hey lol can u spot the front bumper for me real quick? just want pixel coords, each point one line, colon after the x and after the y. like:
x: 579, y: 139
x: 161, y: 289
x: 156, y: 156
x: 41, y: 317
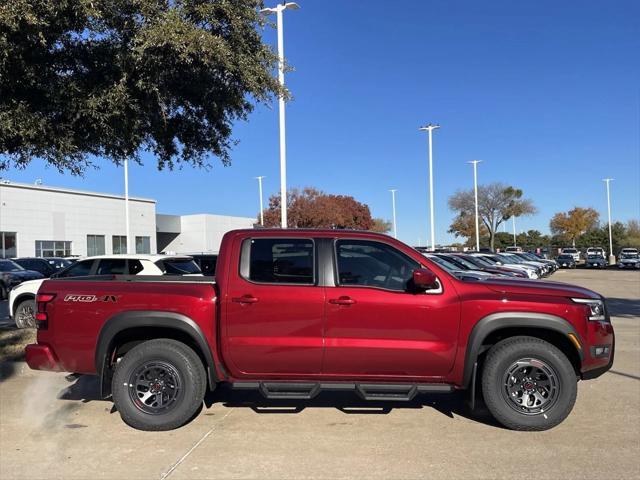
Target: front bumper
x: 41, y: 357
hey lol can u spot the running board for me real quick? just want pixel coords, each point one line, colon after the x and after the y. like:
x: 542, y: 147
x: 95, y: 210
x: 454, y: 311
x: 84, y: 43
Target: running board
x: 398, y: 392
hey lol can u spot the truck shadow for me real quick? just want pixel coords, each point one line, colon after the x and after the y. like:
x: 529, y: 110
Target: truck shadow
x: 349, y: 403
x: 623, y: 307
x: 86, y: 388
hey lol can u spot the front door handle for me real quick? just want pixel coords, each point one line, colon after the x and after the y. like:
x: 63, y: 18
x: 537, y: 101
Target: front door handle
x: 245, y: 299
x: 342, y: 301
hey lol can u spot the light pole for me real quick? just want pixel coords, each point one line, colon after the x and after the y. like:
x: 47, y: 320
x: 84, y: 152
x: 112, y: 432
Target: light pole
x: 393, y: 204
x: 430, y: 128
x: 612, y: 257
x: 475, y: 191
x: 126, y: 202
x: 278, y: 9
x: 260, y: 193
x: 515, y: 243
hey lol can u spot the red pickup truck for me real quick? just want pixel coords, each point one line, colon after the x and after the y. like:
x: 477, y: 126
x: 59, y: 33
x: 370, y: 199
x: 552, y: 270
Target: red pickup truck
x: 295, y: 312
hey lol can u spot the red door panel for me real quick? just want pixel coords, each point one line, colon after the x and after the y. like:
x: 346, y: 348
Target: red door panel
x: 385, y: 333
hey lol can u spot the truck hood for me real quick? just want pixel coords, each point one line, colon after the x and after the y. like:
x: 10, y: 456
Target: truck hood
x: 538, y: 287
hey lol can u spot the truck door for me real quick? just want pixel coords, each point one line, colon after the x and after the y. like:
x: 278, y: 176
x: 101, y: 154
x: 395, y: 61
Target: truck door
x: 274, y: 308
x: 376, y: 326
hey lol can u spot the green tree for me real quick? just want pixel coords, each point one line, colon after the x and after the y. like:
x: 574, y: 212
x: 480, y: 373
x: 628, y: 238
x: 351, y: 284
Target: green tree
x: 112, y: 78
x: 496, y: 203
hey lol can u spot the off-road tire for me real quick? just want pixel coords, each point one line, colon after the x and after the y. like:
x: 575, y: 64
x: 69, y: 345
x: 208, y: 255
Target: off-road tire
x: 184, y: 370
x: 501, y: 360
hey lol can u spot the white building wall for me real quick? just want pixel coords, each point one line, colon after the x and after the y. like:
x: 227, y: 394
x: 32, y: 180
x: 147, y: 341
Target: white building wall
x: 38, y: 212
x: 204, y: 232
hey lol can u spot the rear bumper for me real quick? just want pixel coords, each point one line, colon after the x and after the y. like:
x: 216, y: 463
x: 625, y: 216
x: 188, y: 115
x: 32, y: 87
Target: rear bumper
x: 41, y: 357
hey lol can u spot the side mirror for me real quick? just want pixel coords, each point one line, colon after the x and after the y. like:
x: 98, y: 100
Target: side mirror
x: 424, y: 279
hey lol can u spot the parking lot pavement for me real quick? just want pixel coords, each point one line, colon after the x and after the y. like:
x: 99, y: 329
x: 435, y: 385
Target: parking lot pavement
x: 333, y: 436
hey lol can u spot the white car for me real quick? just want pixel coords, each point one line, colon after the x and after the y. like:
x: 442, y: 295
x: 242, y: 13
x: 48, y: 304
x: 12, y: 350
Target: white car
x: 596, y: 251
x: 574, y: 252
x: 22, y: 298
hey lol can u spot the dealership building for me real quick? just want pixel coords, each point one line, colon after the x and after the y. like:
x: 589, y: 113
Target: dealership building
x: 43, y: 221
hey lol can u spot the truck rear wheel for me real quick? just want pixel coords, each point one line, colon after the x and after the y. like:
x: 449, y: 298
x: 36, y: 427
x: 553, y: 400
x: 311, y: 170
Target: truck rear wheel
x: 159, y: 385
x: 528, y: 384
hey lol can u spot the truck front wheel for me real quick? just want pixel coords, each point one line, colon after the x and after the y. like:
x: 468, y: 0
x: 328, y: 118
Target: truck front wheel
x: 159, y: 385
x: 528, y: 384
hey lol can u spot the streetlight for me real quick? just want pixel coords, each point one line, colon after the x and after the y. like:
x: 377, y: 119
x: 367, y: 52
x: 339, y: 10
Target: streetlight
x: 515, y: 243
x: 126, y: 203
x: 260, y: 193
x: 393, y: 204
x: 278, y: 9
x: 430, y: 128
x: 612, y: 257
x: 475, y: 191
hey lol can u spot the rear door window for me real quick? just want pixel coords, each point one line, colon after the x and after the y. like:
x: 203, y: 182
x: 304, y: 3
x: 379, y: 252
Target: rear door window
x: 179, y: 266
x: 281, y: 260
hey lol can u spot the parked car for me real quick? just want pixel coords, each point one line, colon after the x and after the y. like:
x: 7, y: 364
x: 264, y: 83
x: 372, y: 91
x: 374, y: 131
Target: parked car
x: 596, y: 251
x: 206, y: 262
x: 488, y: 267
x: 550, y: 265
x: 595, y: 261
x: 513, y: 249
x: 629, y: 258
x: 574, y: 252
x: 495, y: 258
x: 456, y: 270
x: 22, y: 299
x: 46, y: 266
x: 12, y: 275
x: 566, y: 260
x: 295, y: 312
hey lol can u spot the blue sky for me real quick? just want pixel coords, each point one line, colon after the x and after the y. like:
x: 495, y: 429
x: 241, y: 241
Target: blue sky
x: 546, y: 93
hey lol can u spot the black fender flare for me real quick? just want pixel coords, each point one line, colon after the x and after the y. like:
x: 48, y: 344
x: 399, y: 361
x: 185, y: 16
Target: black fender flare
x: 151, y: 319
x: 498, y: 321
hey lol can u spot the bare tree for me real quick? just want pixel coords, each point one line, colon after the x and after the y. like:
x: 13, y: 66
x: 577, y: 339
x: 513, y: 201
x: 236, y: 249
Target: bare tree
x: 496, y: 203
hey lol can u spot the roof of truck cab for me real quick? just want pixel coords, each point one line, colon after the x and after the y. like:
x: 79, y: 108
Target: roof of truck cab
x: 322, y: 232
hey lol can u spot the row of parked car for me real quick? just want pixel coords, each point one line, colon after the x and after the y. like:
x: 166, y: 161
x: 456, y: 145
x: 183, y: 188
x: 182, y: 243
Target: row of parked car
x: 479, y: 265
x: 21, y: 278
x: 595, y: 257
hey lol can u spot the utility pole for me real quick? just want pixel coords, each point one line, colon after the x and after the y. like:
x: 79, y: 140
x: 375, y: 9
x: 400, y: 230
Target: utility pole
x: 612, y: 257
x: 278, y: 9
x: 260, y: 194
x: 430, y: 128
x: 475, y: 191
x: 393, y: 204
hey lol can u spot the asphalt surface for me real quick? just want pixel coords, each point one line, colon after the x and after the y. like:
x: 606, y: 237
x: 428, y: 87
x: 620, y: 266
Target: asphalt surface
x: 51, y: 428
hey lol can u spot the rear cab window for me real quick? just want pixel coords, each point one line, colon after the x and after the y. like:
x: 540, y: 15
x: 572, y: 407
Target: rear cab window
x: 278, y: 261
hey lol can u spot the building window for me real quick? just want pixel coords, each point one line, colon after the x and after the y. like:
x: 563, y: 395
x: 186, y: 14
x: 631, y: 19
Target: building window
x: 53, y: 248
x: 143, y: 245
x: 8, y: 245
x: 119, y: 243
x: 95, y: 245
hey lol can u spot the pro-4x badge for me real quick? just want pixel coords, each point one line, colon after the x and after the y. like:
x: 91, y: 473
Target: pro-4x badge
x: 90, y: 298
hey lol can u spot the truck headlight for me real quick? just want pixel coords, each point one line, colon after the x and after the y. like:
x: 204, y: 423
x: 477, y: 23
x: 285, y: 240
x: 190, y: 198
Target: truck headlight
x: 596, y: 308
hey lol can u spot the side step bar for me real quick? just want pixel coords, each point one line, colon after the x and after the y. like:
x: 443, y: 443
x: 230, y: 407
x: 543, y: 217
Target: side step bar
x: 399, y: 392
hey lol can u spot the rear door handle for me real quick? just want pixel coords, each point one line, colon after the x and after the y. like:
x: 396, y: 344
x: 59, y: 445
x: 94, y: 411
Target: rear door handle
x: 342, y: 301
x: 245, y: 299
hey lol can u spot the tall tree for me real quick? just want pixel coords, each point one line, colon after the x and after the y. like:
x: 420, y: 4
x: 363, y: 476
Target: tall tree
x: 496, y: 203
x: 312, y: 208
x: 111, y: 78
x: 577, y: 221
